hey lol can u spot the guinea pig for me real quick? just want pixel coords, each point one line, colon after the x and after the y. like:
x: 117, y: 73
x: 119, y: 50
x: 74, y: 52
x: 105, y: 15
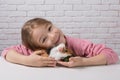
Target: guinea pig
x: 60, y: 52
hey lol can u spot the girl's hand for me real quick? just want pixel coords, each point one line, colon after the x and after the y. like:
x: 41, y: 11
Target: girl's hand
x: 39, y: 61
x: 73, y: 62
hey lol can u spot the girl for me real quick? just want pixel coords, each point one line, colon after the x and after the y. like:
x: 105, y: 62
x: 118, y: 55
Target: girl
x: 39, y: 34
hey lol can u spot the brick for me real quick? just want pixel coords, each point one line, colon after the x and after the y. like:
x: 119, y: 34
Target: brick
x: 103, y: 36
x: 117, y: 36
x: 25, y: 8
x: 12, y: 19
x: 95, y: 19
x: 81, y: 30
x: 91, y: 13
x: 108, y: 24
x: 109, y: 13
x: 86, y: 35
x: 14, y: 37
x: 16, y: 13
x: 111, y: 45
x: 7, y: 7
x: 113, y: 41
x: 91, y: 1
x: 72, y: 1
x: 114, y: 7
x: 73, y: 13
x: 19, y: 19
x: 16, y: 2
x: 10, y: 31
x: 68, y: 31
x: 54, y: 13
x: 36, y: 13
x: 117, y: 51
x: 71, y: 25
x: 117, y: 46
x: 114, y: 30
x: 15, y: 25
x: 84, y: 25
x: 4, y: 19
x: 44, y: 7
x: 3, y: 25
x: 61, y: 19
x: 4, y: 13
x: 3, y: 37
x: 81, y: 7
x: 110, y: 1
x: 118, y: 23
x: 119, y: 13
x: 34, y: 2
x: 98, y: 41
x: 8, y: 42
x: 53, y: 1
x: 75, y: 35
x: 2, y: 1
x: 100, y: 7
x: 63, y: 7
x: 100, y: 30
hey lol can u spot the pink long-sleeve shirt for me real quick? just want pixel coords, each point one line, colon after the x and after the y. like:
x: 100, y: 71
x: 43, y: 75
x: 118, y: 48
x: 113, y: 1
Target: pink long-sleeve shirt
x: 80, y: 47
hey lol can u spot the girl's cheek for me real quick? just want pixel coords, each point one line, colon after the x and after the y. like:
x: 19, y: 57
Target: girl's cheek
x: 49, y: 44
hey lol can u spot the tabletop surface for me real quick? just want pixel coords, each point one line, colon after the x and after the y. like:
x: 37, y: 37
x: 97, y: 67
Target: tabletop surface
x: 10, y: 71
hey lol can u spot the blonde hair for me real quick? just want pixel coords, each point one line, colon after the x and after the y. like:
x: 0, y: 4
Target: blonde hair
x: 26, y: 32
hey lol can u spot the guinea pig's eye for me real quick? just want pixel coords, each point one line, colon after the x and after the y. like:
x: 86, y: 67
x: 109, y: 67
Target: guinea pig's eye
x: 65, y: 50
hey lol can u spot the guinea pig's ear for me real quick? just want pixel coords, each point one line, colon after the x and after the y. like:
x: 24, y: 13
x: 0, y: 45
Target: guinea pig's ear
x: 69, y: 51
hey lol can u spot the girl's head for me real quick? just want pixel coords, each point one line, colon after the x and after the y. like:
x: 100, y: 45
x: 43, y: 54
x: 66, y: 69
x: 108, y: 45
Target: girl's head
x: 40, y: 33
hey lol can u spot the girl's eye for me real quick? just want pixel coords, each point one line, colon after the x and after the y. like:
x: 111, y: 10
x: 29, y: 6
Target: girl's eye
x: 50, y: 28
x: 44, y: 39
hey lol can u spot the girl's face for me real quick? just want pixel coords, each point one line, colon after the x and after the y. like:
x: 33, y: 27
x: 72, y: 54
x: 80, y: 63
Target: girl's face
x: 48, y: 36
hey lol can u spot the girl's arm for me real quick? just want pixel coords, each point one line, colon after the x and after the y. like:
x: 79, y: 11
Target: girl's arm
x: 15, y: 57
x: 82, y: 61
x: 95, y: 60
x: 34, y: 59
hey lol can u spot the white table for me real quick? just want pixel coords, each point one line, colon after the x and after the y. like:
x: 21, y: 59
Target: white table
x: 10, y: 71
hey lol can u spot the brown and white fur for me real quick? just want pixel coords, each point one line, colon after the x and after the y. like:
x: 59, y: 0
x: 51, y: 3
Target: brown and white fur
x: 59, y: 52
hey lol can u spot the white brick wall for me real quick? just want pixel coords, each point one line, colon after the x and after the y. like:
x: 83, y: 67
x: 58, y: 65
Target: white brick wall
x: 95, y: 20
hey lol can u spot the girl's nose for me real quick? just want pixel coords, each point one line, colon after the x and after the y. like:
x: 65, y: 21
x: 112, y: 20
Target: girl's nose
x: 52, y: 36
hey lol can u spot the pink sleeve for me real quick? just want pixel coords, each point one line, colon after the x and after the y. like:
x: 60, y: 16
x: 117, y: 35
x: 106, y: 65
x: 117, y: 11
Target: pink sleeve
x: 85, y: 48
x: 91, y: 49
x: 19, y: 48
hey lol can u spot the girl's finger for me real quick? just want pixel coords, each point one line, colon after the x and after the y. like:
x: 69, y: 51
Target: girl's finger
x: 49, y: 64
x: 47, y: 59
x: 38, y: 52
x: 63, y: 63
x: 52, y: 64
